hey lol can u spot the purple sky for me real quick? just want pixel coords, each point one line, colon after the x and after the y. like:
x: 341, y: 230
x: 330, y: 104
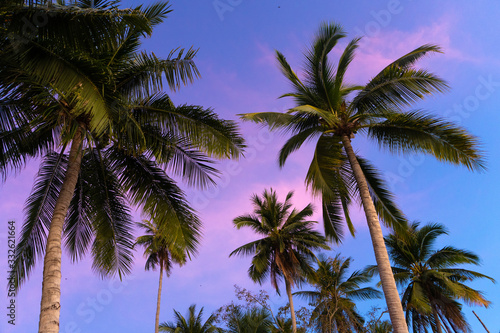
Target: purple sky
x: 239, y: 75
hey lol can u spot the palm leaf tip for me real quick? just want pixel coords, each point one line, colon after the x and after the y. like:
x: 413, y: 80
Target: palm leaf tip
x: 410, y: 58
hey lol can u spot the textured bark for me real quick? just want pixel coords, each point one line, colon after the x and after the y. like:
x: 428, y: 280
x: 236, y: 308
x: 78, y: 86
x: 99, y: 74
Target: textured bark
x: 384, y: 266
x: 50, y: 306
x: 292, y: 311
x: 157, y: 321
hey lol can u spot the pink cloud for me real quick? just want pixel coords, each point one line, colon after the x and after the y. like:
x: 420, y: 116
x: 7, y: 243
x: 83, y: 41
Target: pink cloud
x: 267, y: 55
x: 376, y: 52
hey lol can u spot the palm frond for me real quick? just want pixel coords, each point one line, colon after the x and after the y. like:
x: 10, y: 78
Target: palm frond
x: 110, y: 217
x: 412, y: 57
x: 288, y: 72
x: 397, y: 87
x: 383, y: 200
x: 419, y: 132
x: 206, y: 131
x: 295, y: 142
x: 146, y: 72
x: 344, y: 62
x: 365, y: 293
x: 178, y: 155
x: 323, y: 176
x: 20, y: 145
x: 286, y: 249
x: 39, y: 210
x: 274, y: 120
x: 247, y: 249
x: 78, y: 231
x: 432, y: 288
x: 448, y: 256
x: 333, y: 219
x: 319, y: 72
x: 159, y: 197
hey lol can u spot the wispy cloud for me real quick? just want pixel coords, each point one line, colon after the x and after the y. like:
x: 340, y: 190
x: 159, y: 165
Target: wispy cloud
x: 376, y: 52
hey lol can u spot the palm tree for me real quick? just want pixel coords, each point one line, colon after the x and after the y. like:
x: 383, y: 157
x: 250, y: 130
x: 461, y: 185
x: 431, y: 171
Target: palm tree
x: 34, y: 74
x: 380, y: 327
x: 253, y: 320
x: 287, y: 246
x: 335, y: 310
x: 332, y: 112
x: 285, y: 325
x: 121, y: 131
x: 162, y: 252
x: 433, y: 285
x: 192, y: 324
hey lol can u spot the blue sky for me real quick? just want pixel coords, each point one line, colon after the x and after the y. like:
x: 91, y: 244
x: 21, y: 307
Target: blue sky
x: 237, y: 39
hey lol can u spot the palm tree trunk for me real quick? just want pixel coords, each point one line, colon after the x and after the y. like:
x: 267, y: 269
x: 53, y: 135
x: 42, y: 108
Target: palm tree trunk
x: 290, y: 300
x: 157, y: 322
x: 384, y: 266
x: 50, y: 306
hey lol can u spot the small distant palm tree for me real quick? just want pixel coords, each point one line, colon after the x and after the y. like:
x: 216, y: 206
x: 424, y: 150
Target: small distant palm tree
x: 433, y: 285
x: 253, y: 320
x: 286, y: 249
x: 335, y: 310
x: 380, y: 327
x: 161, y: 251
x: 192, y: 324
x: 284, y: 325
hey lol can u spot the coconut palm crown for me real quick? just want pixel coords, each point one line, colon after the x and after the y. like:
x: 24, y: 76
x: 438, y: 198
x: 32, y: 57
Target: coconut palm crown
x: 335, y: 294
x: 192, y: 324
x: 432, y: 281
x: 161, y: 251
x: 146, y: 135
x: 328, y: 110
x: 252, y: 320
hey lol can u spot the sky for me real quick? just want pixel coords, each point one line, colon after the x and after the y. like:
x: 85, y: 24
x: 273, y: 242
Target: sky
x: 236, y: 41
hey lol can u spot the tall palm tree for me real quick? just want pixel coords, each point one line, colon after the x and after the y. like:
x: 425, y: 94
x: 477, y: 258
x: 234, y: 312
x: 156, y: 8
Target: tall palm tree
x: 332, y: 112
x: 336, y: 291
x: 120, y: 136
x: 162, y: 252
x: 192, y: 324
x: 433, y: 284
x: 286, y: 249
x: 34, y: 74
